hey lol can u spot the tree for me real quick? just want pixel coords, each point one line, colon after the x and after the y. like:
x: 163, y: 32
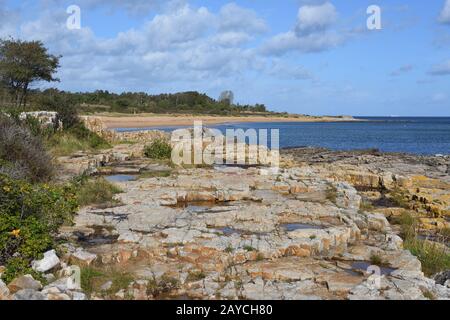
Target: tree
x: 22, y: 63
x: 227, y: 97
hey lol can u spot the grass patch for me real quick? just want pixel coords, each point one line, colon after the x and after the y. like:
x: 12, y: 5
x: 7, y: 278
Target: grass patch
x: 366, y: 206
x: 195, y: 276
x: 88, y: 276
x: 96, y: 191
x: 331, y: 194
x: 408, y: 223
x: 429, y: 295
x: 433, y: 256
x: 75, y: 139
x: 164, y: 285
x: 158, y: 149
x: 64, y: 144
x: 399, y: 198
x: 92, y: 279
x: 377, y: 260
x: 249, y: 248
x: 155, y: 174
x: 229, y: 249
x: 444, y: 233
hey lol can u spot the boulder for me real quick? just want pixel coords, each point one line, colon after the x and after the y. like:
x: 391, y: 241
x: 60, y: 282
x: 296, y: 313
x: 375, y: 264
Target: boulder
x: 129, y: 237
x: 58, y: 296
x: 78, y: 296
x: 24, y: 282
x: 49, y: 262
x: 377, y: 222
x: 83, y: 258
x: 2, y: 270
x: 442, y: 278
x: 4, y: 291
x: 29, y: 294
x: 106, y: 286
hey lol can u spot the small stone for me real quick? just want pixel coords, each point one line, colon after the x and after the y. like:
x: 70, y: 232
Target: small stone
x: 58, y: 296
x: 29, y: 294
x: 49, y: 277
x: 120, y: 294
x: 78, y: 296
x: 51, y: 290
x: 2, y: 270
x: 24, y: 282
x: 66, y: 283
x: 83, y: 258
x: 4, y: 291
x: 49, y: 262
x: 443, y: 277
x: 106, y: 286
x: 129, y: 237
x: 377, y: 222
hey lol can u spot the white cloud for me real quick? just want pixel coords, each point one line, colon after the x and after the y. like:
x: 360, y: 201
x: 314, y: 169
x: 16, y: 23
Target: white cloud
x: 444, y: 17
x: 182, y: 44
x: 315, y: 18
x: 442, y: 69
x: 312, y: 32
x: 315, y: 42
x: 7, y: 20
x: 231, y: 39
x: 132, y: 7
x: 282, y: 70
x: 235, y: 18
x: 439, y: 97
x: 402, y: 70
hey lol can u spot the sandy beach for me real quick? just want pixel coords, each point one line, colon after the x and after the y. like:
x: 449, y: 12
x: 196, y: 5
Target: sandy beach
x: 153, y: 120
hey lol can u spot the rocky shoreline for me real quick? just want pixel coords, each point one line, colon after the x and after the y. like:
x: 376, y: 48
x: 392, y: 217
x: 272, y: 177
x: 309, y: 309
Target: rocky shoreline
x: 232, y: 233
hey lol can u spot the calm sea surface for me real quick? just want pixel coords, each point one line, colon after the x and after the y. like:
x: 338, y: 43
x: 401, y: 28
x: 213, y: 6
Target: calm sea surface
x: 390, y: 134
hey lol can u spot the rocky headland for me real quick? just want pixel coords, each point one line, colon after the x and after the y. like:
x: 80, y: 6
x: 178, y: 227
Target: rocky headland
x: 318, y: 229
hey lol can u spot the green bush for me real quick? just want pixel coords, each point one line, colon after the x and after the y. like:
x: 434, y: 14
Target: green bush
x: 22, y: 152
x: 20, y: 266
x: 23, y: 241
x: 29, y: 217
x: 95, y: 191
x: 52, y: 205
x: 158, y: 149
x: 77, y: 138
x: 84, y: 134
x: 67, y: 112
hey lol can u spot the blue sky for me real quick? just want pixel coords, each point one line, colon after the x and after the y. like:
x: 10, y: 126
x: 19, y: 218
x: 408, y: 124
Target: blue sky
x: 302, y: 56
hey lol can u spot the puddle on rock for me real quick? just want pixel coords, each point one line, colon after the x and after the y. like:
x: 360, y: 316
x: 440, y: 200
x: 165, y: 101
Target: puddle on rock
x: 120, y: 178
x: 228, y: 231
x: 204, y: 207
x: 362, y: 266
x: 100, y: 236
x: 300, y: 226
x: 434, y: 238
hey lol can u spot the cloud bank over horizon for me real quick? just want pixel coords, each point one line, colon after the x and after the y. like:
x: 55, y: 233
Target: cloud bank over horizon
x: 314, y: 57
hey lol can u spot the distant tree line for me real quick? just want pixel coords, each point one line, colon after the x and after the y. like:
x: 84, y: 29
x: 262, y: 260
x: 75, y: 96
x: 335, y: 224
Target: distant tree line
x: 136, y: 102
x: 24, y: 63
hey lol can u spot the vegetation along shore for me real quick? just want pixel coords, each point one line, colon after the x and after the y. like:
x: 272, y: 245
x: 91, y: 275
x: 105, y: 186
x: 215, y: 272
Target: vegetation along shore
x: 87, y: 213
